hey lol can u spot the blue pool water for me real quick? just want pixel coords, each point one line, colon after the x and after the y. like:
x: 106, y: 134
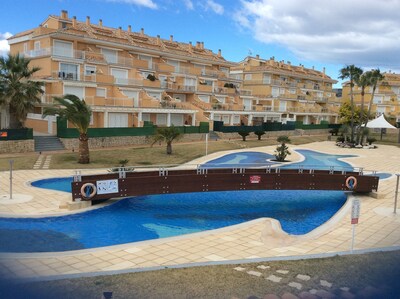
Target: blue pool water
x: 158, y: 216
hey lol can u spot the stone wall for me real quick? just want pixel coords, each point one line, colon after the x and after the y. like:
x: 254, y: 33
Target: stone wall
x: 105, y: 142
x: 17, y: 146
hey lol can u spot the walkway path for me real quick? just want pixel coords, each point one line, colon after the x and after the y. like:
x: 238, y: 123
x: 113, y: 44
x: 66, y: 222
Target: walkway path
x: 258, y: 239
x: 39, y: 162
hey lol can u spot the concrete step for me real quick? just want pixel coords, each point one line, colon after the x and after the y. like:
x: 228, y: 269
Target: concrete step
x: 47, y: 143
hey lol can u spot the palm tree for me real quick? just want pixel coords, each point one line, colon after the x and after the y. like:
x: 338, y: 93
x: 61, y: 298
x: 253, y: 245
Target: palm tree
x: 362, y: 81
x: 353, y: 73
x: 168, y: 135
x: 375, y: 77
x: 18, y: 94
x: 75, y: 110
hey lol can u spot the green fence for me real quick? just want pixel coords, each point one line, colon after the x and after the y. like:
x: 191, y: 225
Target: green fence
x: 147, y: 130
x: 274, y: 126
x: 16, y: 134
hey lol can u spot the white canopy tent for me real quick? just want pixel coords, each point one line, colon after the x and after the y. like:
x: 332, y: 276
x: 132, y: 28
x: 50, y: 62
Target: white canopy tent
x: 380, y: 123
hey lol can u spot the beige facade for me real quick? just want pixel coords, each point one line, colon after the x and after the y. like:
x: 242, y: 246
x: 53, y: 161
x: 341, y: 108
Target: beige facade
x: 296, y: 92
x: 129, y: 78
x: 386, y: 99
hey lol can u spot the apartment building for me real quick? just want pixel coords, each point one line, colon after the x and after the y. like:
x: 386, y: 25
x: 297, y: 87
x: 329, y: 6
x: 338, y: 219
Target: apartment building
x: 386, y: 99
x: 295, y: 92
x: 129, y: 77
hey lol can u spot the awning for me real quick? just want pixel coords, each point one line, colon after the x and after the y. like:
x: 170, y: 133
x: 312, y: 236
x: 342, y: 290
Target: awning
x: 380, y: 123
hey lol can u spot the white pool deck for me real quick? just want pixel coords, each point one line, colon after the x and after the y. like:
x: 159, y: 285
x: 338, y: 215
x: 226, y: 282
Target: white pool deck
x: 378, y: 227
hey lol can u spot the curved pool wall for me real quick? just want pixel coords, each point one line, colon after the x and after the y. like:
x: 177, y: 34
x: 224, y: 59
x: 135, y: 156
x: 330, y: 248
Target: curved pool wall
x: 158, y: 216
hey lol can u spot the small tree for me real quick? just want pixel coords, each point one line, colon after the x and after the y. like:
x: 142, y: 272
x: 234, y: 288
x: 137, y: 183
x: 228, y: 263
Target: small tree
x: 76, y: 111
x: 244, y: 134
x: 168, y: 135
x: 282, y: 151
x: 259, y: 133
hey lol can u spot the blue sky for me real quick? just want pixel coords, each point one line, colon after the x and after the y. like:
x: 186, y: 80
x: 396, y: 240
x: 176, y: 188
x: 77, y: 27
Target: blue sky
x: 320, y: 33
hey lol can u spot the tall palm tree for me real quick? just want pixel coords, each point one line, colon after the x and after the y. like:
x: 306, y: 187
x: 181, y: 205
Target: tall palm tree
x: 362, y: 81
x: 75, y: 110
x: 352, y: 73
x: 375, y: 77
x: 168, y: 135
x: 18, y: 94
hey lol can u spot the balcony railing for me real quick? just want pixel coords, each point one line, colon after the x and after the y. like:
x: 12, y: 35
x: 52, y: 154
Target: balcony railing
x: 56, y: 52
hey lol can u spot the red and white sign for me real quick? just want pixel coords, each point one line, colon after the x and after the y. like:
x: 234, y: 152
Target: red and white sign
x: 355, y: 211
x: 255, y: 179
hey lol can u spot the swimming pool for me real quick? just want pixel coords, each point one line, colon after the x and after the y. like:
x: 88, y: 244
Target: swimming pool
x: 158, y: 216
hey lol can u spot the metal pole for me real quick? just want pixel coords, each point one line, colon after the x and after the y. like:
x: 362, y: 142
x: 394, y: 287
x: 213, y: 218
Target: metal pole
x: 11, y: 169
x: 353, y: 237
x: 207, y: 144
x: 396, y: 193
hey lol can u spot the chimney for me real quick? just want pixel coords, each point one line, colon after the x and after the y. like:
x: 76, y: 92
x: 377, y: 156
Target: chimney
x: 64, y: 14
x: 171, y: 38
x: 202, y: 45
x: 158, y: 40
x: 323, y: 70
x: 142, y: 31
x: 101, y: 23
x: 74, y: 21
x: 198, y: 45
x: 88, y: 20
x: 219, y: 53
x: 190, y: 46
x: 119, y: 31
x: 272, y: 58
x: 129, y: 28
x: 313, y: 67
x: 258, y: 56
x: 289, y: 64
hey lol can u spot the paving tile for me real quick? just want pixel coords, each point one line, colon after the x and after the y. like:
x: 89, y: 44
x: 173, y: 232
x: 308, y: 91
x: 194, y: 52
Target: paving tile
x: 262, y: 267
x: 271, y: 296
x: 282, y: 271
x: 307, y: 295
x: 274, y: 278
x: 254, y: 273
x: 289, y: 296
x: 303, y: 277
x: 325, y: 283
x: 215, y: 258
x: 295, y: 285
x: 239, y: 269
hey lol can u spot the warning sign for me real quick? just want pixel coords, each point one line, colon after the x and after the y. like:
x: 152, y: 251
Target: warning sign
x: 255, y: 179
x: 355, y: 211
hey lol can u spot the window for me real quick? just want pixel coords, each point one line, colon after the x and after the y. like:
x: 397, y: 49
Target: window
x: 161, y: 119
x: 36, y: 45
x: 225, y: 70
x: 101, y: 92
x: 145, y: 117
x: 68, y: 71
x: 177, y: 119
x: 275, y: 92
x: 267, y: 79
x: 120, y: 75
x: 202, y: 67
x: 156, y: 95
x: 75, y: 90
x: 117, y: 120
x: 149, y: 60
x: 131, y: 93
x: 111, y: 56
x: 281, y: 91
x: 236, y: 119
x: 247, y: 77
x: 25, y: 47
x: 378, y: 99
x: 292, y: 90
x: 174, y: 63
x: 204, y: 98
x: 90, y: 70
x: 64, y: 49
x: 282, y: 106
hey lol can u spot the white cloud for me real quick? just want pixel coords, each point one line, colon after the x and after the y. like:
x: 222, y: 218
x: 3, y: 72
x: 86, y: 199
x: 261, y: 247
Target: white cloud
x: 145, y: 3
x: 214, y: 6
x: 363, y: 32
x: 189, y: 4
x: 4, y: 47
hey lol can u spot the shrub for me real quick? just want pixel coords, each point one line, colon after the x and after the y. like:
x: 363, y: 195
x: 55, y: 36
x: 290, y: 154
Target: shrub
x: 244, y: 135
x: 282, y: 151
x: 259, y: 133
x: 340, y: 139
x: 151, y: 77
x: 371, y: 140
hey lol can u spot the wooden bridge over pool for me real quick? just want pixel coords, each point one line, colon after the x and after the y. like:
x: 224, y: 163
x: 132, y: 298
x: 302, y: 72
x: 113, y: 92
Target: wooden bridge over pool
x: 164, y: 181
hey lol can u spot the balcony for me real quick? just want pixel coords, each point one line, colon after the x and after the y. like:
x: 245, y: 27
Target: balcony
x: 55, y: 52
x: 128, y: 81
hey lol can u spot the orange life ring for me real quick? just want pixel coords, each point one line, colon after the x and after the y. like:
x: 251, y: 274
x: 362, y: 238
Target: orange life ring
x: 351, y: 182
x: 84, y: 190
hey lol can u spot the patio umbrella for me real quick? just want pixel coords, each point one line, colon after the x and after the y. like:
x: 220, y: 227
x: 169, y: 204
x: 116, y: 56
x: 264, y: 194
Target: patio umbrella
x: 380, y: 123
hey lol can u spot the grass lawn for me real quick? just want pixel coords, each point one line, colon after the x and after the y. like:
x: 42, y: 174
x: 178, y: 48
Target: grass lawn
x: 358, y: 272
